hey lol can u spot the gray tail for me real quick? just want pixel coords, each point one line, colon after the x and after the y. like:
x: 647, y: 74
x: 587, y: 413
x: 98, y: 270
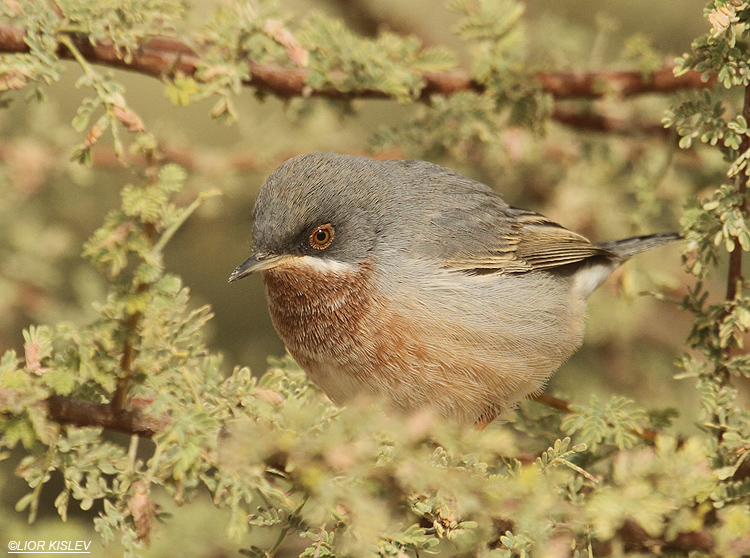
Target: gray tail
x: 628, y: 247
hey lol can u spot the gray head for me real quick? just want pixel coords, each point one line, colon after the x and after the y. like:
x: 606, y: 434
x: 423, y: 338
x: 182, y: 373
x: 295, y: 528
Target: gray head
x: 311, y: 191
x: 347, y: 209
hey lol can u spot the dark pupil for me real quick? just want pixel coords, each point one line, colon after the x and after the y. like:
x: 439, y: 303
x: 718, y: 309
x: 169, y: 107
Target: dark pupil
x: 321, y: 236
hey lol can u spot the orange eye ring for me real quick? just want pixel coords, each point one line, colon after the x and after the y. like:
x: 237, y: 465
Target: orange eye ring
x: 321, y: 237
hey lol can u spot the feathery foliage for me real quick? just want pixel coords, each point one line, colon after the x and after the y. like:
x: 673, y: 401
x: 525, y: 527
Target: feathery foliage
x: 295, y: 474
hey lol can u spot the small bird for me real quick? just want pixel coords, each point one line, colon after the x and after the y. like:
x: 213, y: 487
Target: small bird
x: 407, y: 281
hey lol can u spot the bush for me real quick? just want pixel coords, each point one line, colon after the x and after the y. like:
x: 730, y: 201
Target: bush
x: 124, y: 408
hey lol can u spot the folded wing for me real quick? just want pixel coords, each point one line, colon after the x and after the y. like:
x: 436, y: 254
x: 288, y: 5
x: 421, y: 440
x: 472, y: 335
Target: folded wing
x: 525, y: 241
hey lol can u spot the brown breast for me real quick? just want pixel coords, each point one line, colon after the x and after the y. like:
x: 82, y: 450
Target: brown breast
x: 319, y: 313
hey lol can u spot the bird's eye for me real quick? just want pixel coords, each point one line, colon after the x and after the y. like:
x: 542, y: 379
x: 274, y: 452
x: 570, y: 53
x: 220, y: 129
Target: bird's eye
x: 321, y: 237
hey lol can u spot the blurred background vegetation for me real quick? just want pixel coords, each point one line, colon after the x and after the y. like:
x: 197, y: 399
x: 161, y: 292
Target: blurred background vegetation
x: 603, y: 185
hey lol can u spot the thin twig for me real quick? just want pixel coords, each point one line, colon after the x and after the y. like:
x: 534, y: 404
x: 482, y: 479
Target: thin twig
x: 735, y: 277
x: 119, y: 399
x: 165, y: 56
x: 318, y: 546
x: 554, y: 402
x: 130, y: 324
x: 82, y: 62
x: 734, y: 274
x: 133, y: 452
x: 288, y: 527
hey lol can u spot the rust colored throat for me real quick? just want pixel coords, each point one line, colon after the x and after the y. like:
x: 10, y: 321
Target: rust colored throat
x: 319, y: 310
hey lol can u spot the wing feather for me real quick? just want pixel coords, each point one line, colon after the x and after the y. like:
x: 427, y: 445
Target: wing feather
x: 526, y: 242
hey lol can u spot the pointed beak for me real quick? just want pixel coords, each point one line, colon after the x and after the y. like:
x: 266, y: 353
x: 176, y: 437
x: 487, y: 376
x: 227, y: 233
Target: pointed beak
x: 259, y: 261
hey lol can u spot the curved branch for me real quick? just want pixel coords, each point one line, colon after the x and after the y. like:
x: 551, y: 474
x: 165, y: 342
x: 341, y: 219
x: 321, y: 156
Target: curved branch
x: 134, y: 419
x: 160, y: 56
x: 594, y: 85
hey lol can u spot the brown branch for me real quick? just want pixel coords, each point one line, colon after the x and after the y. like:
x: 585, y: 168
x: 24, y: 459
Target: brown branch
x: 133, y: 419
x: 636, y: 539
x: 734, y: 274
x: 553, y: 402
x: 597, y: 122
x: 12, y: 39
x: 735, y: 278
x: 593, y: 85
x: 130, y: 420
x: 120, y: 397
x: 130, y: 324
x: 633, y: 538
x: 160, y: 56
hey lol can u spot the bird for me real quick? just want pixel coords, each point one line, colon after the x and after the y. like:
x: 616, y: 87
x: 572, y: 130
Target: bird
x: 406, y: 281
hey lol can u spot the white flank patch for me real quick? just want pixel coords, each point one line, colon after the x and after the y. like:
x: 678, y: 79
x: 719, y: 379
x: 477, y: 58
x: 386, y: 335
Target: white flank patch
x: 588, y: 278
